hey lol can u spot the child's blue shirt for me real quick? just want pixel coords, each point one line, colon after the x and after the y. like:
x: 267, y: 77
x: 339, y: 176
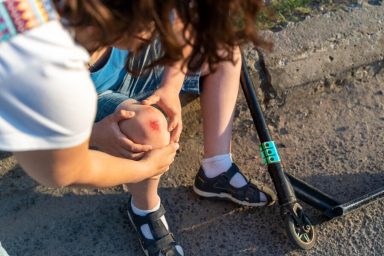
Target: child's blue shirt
x: 112, y: 74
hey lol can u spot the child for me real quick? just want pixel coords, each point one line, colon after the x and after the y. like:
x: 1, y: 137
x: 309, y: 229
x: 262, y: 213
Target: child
x: 194, y: 41
x: 218, y: 176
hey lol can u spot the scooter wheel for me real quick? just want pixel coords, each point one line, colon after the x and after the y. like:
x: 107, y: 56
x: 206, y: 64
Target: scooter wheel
x: 304, y: 235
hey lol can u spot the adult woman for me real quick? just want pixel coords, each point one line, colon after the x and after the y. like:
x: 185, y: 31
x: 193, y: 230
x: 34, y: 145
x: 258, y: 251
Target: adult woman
x: 40, y: 69
x: 48, y: 101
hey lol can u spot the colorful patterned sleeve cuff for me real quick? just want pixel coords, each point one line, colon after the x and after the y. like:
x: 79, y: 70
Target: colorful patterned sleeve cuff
x: 18, y: 16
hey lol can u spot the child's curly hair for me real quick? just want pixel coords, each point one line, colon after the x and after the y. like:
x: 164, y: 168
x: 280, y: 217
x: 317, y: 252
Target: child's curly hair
x: 209, y: 25
x: 222, y: 24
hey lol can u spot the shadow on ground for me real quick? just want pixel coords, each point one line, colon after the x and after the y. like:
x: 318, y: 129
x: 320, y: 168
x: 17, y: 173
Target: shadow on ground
x: 41, y: 221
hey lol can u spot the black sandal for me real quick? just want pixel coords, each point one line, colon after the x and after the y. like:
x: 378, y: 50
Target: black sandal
x: 219, y: 187
x: 164, y: 243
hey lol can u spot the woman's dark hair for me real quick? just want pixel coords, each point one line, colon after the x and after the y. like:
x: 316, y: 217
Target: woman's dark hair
x: 112, y: 18
x: 209, y: 25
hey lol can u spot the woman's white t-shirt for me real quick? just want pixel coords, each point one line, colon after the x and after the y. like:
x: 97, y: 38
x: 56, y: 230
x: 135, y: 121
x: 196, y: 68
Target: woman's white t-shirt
x: 47, y: 99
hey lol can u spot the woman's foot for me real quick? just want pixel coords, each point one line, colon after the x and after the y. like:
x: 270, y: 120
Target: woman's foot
x: 221, y: 188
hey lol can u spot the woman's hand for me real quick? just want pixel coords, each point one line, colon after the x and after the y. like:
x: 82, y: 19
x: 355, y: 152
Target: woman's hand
x: 157, y: 161
x: 167, y: 98
x: 106, y: 136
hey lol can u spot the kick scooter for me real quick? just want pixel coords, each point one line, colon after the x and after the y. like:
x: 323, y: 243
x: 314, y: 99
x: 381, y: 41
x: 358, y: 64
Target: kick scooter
x: 289, y: 189
x: 298, y: 226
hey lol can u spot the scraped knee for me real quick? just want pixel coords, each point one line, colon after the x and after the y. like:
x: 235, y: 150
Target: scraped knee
x: 148, y: 127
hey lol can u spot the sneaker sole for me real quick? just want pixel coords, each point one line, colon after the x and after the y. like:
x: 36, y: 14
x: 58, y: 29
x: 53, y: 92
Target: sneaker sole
x: 226, y: 196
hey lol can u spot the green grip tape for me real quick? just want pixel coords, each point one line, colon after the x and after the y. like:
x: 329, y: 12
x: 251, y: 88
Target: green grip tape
x: 269, y: 152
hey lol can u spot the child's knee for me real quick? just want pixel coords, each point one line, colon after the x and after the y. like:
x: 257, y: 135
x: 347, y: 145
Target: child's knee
x: 149, y: 126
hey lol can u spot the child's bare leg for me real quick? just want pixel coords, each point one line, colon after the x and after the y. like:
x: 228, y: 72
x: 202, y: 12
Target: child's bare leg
x: 218, y: 99
x: 148, y: 127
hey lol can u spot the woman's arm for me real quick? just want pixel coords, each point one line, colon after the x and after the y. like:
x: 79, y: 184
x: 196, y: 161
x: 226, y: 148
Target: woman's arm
x: 108, y: 137
x: 80, y: 166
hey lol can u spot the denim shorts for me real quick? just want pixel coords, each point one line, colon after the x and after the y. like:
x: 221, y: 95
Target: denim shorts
x: 141, y: 86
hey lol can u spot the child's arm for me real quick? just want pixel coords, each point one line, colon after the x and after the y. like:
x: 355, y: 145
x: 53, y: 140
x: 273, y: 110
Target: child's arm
x: 167, y: 96
x: 82, y: 167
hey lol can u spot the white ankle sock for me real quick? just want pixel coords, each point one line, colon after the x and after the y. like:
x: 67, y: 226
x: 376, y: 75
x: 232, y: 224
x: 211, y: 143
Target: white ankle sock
x: 145, y: 228
x: 214, y: 166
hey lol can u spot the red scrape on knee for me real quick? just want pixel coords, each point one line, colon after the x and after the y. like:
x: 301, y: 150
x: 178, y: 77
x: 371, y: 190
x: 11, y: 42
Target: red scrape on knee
x: 154, y: 125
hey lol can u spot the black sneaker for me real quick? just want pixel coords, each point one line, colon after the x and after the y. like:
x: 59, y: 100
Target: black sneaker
x: 164, y: 243
x: 220, y: 187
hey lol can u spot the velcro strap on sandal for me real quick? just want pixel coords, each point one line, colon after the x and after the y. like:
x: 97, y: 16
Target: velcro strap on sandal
x: 159, y: 229
x: 153, y: 220
x: 232, y: 172
x: 151, y: 217
x: 167, y: 242
x: 18, y: 16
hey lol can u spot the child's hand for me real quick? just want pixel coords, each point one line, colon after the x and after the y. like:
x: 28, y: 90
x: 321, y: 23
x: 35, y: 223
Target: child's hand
x: 168, y: 100
x: 158, y: 160
x: 106, y: 135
